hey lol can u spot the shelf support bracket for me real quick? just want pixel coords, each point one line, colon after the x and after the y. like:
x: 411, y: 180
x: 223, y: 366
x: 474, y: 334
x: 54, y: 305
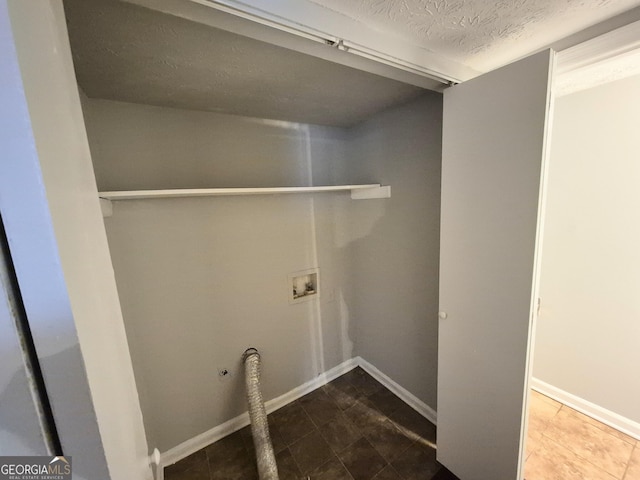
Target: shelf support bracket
x: 107, y: 207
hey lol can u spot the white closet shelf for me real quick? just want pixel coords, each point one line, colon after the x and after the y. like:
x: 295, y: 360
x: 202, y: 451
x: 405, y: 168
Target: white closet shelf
x: 357, y: 192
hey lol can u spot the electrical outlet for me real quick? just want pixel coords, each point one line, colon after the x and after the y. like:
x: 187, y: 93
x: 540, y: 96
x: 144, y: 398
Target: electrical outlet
x: 224, y: 374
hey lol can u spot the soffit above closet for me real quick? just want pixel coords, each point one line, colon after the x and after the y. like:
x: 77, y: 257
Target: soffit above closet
x: 128, y: 53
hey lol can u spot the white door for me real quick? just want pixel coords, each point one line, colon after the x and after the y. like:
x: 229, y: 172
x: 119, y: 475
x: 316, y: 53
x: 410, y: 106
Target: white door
x: 494, y: 133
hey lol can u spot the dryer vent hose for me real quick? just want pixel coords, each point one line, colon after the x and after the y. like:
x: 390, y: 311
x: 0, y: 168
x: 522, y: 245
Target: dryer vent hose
x: 267, y: 468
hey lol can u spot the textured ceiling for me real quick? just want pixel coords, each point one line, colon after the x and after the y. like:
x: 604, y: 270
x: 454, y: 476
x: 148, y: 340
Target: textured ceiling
x: 128, y: 53
x: 482, y: 34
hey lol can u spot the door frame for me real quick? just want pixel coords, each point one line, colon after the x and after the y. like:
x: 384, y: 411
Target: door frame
x: 58, y: 245
x: 571, y: 63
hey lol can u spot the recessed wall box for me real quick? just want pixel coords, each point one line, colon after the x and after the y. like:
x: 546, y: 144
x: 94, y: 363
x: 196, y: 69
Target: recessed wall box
x: 303, y: 285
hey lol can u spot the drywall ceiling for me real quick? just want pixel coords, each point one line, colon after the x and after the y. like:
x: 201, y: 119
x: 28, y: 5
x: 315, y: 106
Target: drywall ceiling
x: 481, y: 34
x: 150, y: 51
x: 129, y: 53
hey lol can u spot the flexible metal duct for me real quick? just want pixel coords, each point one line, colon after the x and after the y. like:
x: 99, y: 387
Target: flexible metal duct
x: 267, y: 468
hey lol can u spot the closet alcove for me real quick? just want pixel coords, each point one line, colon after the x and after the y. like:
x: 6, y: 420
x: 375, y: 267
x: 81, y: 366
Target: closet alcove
x: 176, y: 106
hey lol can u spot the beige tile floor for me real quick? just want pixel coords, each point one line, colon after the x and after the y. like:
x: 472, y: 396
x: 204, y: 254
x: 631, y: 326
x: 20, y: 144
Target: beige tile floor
x: 564, y: 444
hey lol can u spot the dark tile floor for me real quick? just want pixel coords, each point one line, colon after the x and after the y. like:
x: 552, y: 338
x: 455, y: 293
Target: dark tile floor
x: 353, y: 428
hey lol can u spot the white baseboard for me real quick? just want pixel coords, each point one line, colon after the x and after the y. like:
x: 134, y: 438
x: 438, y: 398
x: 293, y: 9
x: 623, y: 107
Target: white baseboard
x: 592, y: 410
x: 198, y: 442
x: 404, y: 394
x: 194, y: 444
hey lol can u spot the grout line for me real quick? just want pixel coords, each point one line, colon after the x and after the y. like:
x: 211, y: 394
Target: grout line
x: 596, y: 412
x: 600, y: 426
x: 626, y: 470
x: 341, y: 412
x: 583, y: 459
x: 217, y: 433
x: 361, y: 432
x: 206, y: 456
x: 295, y: 461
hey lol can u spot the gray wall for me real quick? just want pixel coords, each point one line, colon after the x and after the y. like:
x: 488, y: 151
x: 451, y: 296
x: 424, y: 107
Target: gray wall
x: 202, y: 279
x: 589, y: 327
x: 395, y: 247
